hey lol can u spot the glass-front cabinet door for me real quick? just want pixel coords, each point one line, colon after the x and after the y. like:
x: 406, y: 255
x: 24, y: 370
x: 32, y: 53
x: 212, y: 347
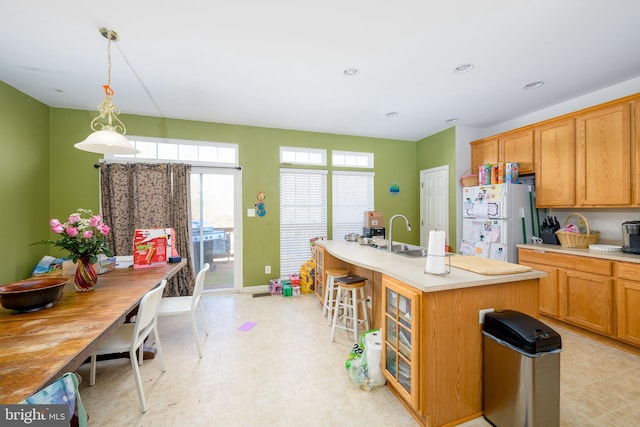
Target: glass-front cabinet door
x: 400, y: 335
x: 318, y: 281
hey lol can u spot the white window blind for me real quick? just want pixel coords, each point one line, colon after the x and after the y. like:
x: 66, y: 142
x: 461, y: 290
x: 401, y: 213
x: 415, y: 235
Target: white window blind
x: 303, y: 215
x: 352, y: 196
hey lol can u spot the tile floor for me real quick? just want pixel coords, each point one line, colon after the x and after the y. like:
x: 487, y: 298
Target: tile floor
x: 286, y: 372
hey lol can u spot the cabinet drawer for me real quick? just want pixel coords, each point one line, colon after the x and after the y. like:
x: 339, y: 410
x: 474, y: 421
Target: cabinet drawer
x: 571, y: 262
x: 630, y: 271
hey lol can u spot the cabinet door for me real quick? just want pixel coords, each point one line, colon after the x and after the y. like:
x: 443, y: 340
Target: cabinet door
x: 628, y: 311
x: 518, y: 147
x: 603, y: 157
x: 555, y: 147
x: 482, y: 152
x: 628, y: 302
x: 548, y: 292
x: 318, y: 254
x: 401, y: 339
x: 586, y: 300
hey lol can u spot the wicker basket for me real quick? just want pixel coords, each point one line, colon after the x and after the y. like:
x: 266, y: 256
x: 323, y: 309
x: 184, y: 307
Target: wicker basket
x: 468, y: 179
x: 577, y: 240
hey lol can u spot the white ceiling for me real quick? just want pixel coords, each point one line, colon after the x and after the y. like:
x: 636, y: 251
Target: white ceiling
x: 280, y: 63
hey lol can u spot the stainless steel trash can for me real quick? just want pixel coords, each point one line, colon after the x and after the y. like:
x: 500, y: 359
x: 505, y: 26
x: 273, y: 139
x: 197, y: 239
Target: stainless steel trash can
x: 521, y: 384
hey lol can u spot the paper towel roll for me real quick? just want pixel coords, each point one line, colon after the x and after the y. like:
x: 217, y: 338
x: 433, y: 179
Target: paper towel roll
x: 436, y: 243
x: 373, y: 347
x: 435, y: 253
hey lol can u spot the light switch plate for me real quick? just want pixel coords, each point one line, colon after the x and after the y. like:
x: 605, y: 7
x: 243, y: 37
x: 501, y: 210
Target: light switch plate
x: 251, y: 212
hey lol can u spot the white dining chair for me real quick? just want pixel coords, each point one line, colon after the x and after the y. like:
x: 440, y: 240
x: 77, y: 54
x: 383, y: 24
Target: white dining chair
x: 131, y: 337
x: 170, y: 306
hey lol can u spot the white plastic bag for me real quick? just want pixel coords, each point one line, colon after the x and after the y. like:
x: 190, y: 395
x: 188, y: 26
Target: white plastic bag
x: 365, y: 360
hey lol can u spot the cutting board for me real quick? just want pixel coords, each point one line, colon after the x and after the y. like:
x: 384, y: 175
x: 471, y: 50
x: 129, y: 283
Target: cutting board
x: 486, y: 266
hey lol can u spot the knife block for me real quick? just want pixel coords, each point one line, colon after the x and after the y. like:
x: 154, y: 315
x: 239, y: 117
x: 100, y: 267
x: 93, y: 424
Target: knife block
x: 549, y: 237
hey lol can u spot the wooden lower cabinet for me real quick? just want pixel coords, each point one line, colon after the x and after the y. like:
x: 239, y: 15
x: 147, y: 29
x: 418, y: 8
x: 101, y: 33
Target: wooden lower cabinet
x: 401, y: 338
x: 628, y: 302
x: 595, y: 294
x: 577, y: 290
x: 318, y: 281
x: 586, y: 300
x: 548, y: 292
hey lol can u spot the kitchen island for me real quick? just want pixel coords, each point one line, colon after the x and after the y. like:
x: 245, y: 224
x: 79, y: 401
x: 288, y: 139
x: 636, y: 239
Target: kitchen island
x: 432, y: 352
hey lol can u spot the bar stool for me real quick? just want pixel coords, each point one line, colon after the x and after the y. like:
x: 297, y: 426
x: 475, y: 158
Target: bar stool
x: 350, y: 294
x: 329, y: 300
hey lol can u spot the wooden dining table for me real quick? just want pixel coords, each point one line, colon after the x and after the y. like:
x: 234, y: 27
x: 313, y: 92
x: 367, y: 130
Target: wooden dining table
x: 36, y: 348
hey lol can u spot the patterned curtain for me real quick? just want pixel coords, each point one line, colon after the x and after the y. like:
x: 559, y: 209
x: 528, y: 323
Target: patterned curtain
x: 141, y: 195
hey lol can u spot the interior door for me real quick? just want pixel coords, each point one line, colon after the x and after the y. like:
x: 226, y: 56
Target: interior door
x: 216, y: 226
x: 434, y: 202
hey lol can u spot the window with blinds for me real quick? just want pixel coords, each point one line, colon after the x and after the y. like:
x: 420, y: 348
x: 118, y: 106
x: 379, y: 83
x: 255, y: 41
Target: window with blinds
x: 352, y: 195
x: 303, y: 215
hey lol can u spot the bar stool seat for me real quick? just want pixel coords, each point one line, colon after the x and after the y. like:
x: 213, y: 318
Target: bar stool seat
x: 349, y: 296
x: 329, y: 297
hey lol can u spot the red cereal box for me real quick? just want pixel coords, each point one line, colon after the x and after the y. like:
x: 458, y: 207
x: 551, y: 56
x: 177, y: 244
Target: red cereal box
x: 150, y: 247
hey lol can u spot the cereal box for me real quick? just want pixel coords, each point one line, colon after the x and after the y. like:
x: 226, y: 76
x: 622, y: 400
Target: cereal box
x: 151, y: 247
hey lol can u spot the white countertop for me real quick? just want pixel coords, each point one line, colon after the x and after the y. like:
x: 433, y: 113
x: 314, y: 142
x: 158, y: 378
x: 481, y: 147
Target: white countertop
x: 411, y: 270
x: 613, y: 256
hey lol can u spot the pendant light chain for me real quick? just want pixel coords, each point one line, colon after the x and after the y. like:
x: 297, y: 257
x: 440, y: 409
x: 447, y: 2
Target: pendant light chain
x: 107, y: 109
x: 108, y: 135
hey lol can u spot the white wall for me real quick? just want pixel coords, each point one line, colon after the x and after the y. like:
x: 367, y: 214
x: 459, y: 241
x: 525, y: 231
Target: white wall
x: 464, y: 135
x: 610, y: 93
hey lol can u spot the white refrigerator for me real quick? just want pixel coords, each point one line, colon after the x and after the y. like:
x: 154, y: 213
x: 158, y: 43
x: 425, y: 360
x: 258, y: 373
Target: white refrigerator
x: 495, y: 218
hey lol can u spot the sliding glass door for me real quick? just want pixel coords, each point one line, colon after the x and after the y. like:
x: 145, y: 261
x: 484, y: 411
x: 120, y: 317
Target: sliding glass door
x: 215, y: 218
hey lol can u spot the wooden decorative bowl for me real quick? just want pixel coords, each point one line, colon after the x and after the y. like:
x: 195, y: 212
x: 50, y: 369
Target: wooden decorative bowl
x: 32, y: 294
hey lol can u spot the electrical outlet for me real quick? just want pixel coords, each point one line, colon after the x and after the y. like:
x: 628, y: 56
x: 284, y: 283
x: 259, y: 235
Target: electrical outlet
x: 369, y: 302
x: 481, y: 314
x: 267, y: 269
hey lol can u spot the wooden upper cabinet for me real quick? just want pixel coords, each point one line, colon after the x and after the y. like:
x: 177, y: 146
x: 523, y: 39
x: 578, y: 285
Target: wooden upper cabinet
x: 518, y: 147
x: 484, y: 151
x: 555, y: 149
x: 509, y: 147
x: 603, y: 156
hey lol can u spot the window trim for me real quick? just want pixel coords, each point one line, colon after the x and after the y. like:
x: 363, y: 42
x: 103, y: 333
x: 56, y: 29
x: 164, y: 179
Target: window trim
x: 153, y: 140
x: 303, y: 150
x: 358, y: 154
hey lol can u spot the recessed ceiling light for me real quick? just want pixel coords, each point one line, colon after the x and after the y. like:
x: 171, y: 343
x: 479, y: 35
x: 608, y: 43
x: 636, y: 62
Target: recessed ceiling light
x: 464, y: 68
x: 350, y: 72
x: 392, y: 114
x: 452, y: 120
x: 533, y: 85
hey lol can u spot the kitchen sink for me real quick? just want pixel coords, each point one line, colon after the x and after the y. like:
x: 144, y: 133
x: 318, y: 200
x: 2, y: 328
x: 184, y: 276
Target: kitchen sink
x: 406, y: 250
x: 413, y: 253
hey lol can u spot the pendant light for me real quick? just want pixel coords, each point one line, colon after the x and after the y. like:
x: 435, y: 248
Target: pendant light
x: 108, y: 136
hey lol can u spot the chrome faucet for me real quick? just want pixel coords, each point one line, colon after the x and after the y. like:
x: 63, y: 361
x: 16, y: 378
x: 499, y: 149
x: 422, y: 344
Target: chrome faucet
x: 390, y: 244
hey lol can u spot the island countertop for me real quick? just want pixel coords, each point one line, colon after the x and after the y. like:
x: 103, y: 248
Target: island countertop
x: 412, y: 270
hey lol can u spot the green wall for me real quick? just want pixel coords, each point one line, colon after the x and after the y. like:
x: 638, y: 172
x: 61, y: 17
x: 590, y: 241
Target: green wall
x: 439, y: 150
x: 74, y: 180
x: 44, y: 176
x: 24, y: 182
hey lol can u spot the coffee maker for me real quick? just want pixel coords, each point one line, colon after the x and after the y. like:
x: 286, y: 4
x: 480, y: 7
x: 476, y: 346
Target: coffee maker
x: 631, y: 237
